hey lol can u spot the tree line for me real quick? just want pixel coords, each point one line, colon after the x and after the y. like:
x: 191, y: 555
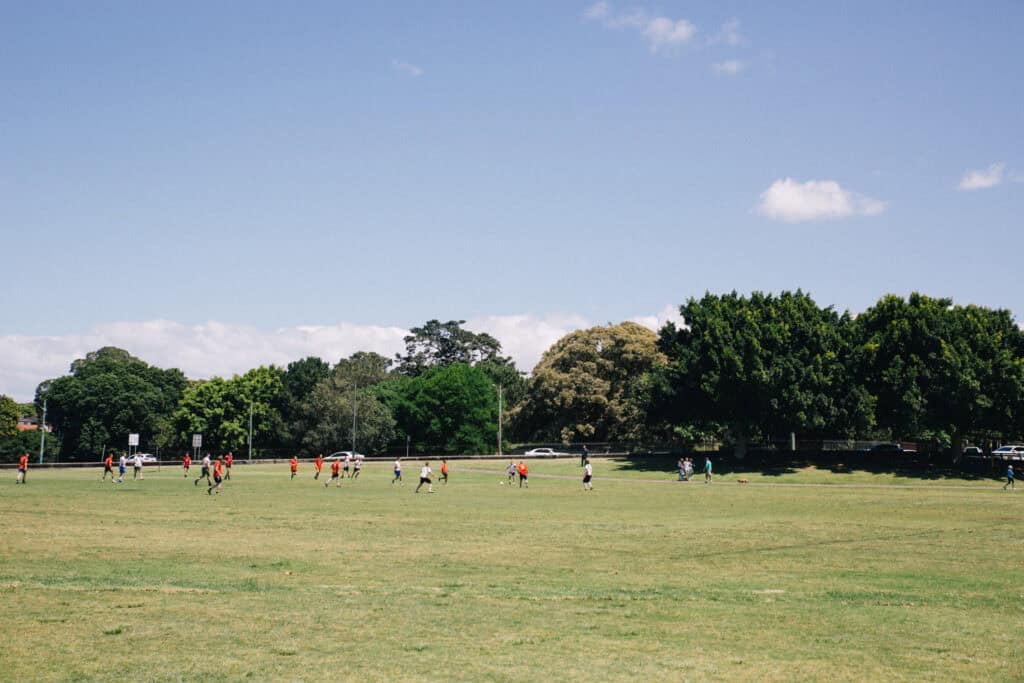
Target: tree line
x: 738, y: 369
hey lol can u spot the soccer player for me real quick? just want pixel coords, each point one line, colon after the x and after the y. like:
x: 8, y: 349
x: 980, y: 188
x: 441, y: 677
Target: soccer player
x: 1009, y: 478
x: 348, y: 460
x: 186, y: 462
x: 319, y: 464
x: 205, y: 472
x: 108, y: 466
x: 512, y: 472
x: 122, y: 467
x: 357, y: 467
x: 707, y: 470
x: 398, y: 471
x: 584, y: 456
x: 228, y: 459
x: 335, y: 466
x: 588, y: 472
x: 294, y: 462
x: 218, y: 481
x: 137, y: 467
x: 22, y: 469
x: 524, y: 474
x: 444, y: 470
x: 425, y: 473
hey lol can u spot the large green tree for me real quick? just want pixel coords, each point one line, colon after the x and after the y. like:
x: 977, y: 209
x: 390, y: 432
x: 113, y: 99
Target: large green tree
x: 10, y: 413
x: 762, y: 364
x: 939, y: 370
x: 439, y: 344
x: 108, y: 395
x: 591, y: 385
x: 219, y: 409
x: 447, y: 410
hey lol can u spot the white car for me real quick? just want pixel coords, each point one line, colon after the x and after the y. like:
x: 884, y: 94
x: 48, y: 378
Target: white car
x: 340, y: 455
x: 1009, y: 453
x: 544, y: 452
x: 147, y: 458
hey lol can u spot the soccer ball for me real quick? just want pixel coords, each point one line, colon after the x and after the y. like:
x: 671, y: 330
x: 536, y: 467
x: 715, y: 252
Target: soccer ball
x: 501, y: 483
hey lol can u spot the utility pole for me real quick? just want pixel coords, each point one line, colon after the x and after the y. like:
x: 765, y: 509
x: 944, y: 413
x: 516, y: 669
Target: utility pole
x: 499, y: 419
x: 406, y: 446
x: 42, y: 433
x: 355, y: 388
x: 250, y: 432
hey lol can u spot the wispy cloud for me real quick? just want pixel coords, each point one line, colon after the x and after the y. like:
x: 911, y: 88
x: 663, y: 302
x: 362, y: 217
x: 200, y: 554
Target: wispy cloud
x: 982, y: 179
x: 407, y: 68
x: 660, y: 32
x: 729, y: 67
x: 795, y: 202
x: 728, y: 35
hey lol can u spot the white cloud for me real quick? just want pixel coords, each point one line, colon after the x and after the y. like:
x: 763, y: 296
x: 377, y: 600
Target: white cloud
x: 729, y: 34
x: 979, y: 180
x: 729, y: 67
x: 224, y: 349
x: 792, y: 201
x: 407, y: 68
x: 669, y: 314
x: 660, y: 32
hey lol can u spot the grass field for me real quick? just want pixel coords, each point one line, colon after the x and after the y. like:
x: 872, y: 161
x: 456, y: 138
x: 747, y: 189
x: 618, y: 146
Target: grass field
x: 642, y: 579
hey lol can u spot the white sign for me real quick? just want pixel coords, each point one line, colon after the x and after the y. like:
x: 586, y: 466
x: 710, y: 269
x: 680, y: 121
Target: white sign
x: 133, y: 439
x: 197, y: 441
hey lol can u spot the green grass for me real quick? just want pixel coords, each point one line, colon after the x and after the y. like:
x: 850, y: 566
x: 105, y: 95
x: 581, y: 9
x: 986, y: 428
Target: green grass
x: 286, y: 580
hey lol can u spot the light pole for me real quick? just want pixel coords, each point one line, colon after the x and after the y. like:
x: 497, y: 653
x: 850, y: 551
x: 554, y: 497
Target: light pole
x: 499, y: 418
x: 355, y: 388
x: 250, y: 432
x: 42, y: 433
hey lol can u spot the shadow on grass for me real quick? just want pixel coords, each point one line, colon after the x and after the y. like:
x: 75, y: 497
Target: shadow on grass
x: 777, y: 464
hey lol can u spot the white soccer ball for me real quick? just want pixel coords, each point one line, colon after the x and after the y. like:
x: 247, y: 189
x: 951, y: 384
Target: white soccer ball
x: 501, y: 483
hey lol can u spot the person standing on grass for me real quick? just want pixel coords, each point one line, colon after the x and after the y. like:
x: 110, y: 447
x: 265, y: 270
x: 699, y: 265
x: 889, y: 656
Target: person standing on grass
x: 335, y: 477
x: 204, y: 473
x: 186, y: 462
x: 588, y: 472
x: 228, y: 459
x: 108, y: 466
x: 122, y: 467
x: 294, y: 462
x: 319, y: 465
x: 398, y: 471
x: 707, y: 470
x: 681, y: 466
x: 444, y: 470
x: 584, y: 456
x: 218, y: 481
x: 1009, y: 478
x: 22, y: 469
x: 688, y: 468
x: 425, y: 473
x: 512, y: 470
x: 524, y: 474
x: 345, y: 465
x: 137, y: 467
x: 357, y: 467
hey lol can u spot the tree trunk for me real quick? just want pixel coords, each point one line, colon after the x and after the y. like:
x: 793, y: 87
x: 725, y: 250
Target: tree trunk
x: 740, y: 449
x: 956, y: 447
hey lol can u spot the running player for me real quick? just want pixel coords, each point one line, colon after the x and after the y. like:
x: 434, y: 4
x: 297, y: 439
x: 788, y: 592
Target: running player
x: 294, y: 462
x: 524, y: 474
x: 512, y: 471
x: 707, y: 470
x: 398, y: 471
x: 108, y: 466
x: 588, y: 472
x: 319, y: 464
x: 122, y: 467
x: 186, y: 462
x: 22, y: 469
x: 205, y: 472
x: 357, y: 467
x: 348, y: 461
x: 228, y: 459
x: 335, y: 466
x: 218, y: 481
x: 1009, y: 478
x: 425, y: 473
x: 137, y: 467
x: 444, y: 470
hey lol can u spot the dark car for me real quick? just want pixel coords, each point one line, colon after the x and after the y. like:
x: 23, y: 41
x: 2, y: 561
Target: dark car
x: 886, y: 449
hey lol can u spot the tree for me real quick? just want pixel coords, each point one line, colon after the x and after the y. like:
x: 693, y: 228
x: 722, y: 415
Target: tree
x: 440, y: 344
x: 591, y: 385
x: 10, y: 413
x: 300, y: 378
x: 939, y: 370
x: 219, y: 408
x: 108, y: 395
x: 448, y: 409
x: 326, y: 416
x: 762, y: 364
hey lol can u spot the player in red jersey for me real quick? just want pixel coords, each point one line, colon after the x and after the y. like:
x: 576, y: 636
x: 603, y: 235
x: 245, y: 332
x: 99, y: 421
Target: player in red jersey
x: 218, y: 481
x: 22, y: 469
x: 108, y: 466
x: 186, y: 462
x: 335, y: 474
x: 228, y: 459
x: 319, y: 465
x: 295, y: 466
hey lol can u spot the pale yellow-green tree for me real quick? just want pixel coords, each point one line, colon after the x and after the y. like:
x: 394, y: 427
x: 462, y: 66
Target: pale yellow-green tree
x: 591, y: 385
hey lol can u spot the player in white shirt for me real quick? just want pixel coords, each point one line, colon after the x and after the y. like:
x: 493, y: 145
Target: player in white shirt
x: 137, y: 467
x: 398, y: 471
x: 122, y: 467
x: 588, y: 472
x: 345, y: 463
x: 425, y: 473
x: 205, y: 473
x: 357, y: 467
x: 511, y: 472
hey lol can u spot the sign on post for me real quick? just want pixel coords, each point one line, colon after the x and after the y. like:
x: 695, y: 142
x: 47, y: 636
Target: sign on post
x: 133, y: 439
x: 197, y: 441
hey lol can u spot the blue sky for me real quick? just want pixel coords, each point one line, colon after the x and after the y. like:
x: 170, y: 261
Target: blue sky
x: 265, y: 167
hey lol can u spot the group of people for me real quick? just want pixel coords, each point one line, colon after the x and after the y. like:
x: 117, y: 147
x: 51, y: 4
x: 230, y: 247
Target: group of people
x: 122, y: 467
x: 686, y: 469
x: 219, y: 467
x: 522, y: 470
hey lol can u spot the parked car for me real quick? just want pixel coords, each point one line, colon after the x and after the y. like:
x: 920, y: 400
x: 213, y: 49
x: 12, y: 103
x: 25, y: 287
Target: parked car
x: 973, y: 452
x: 1009, y: 453
x: 544, y: 452
x: 886, y: 449
x: 340, y: 455
x: 147, y: 458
